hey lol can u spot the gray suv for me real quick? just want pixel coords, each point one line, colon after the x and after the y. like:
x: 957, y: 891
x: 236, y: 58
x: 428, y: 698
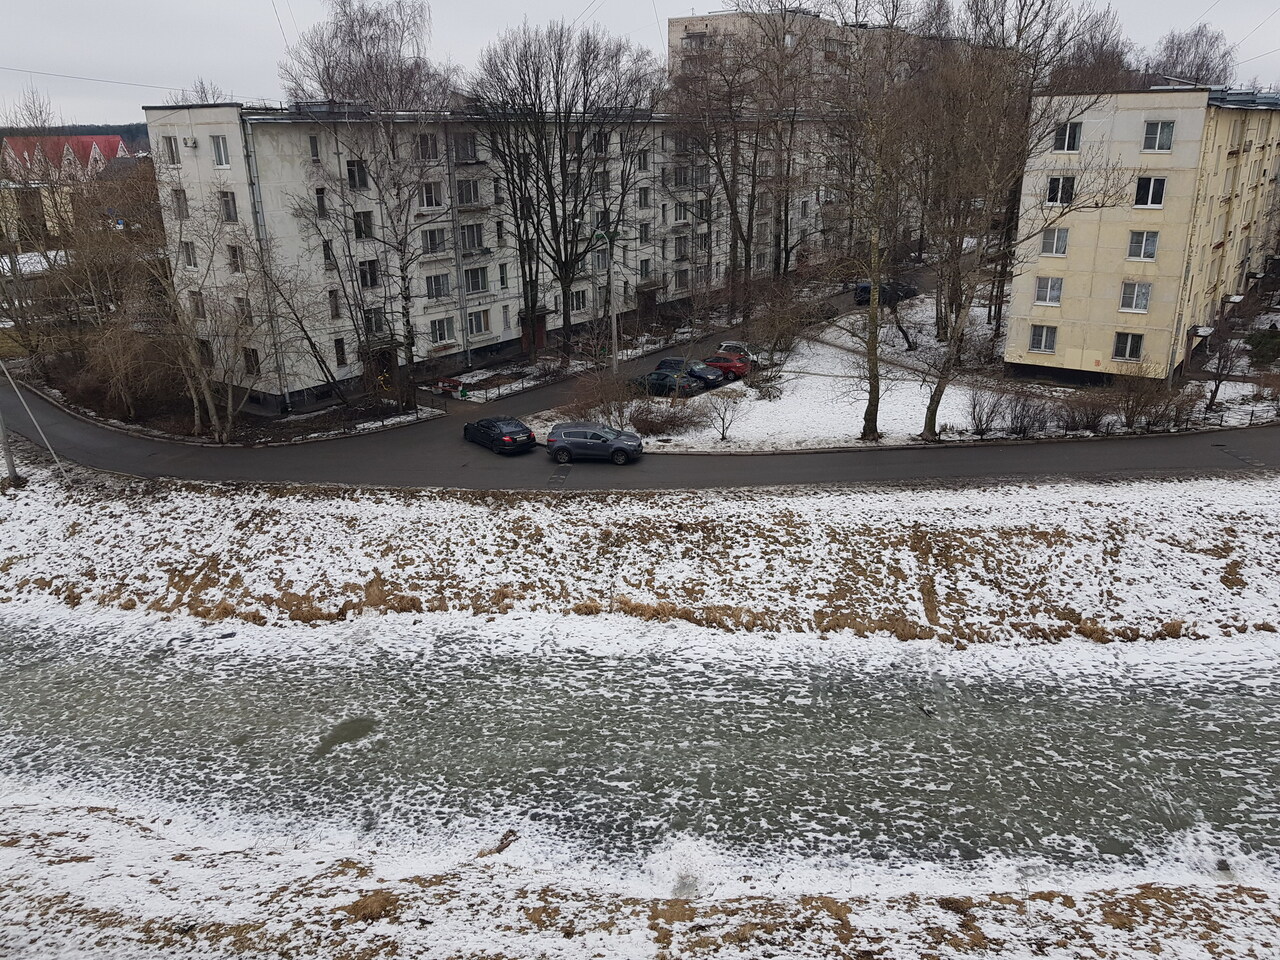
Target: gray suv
x: 591, y: 441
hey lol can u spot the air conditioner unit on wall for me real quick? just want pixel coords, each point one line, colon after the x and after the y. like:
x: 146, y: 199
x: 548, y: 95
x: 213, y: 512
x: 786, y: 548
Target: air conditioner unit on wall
x: 190, y: 142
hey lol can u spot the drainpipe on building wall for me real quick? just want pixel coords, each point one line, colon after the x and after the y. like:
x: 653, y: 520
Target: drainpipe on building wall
x: 260, y: 236
x: 451, y: 175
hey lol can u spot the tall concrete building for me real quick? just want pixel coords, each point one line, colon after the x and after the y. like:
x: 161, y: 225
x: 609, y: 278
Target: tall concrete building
x: 279, y: 238
x: 1132, y: 287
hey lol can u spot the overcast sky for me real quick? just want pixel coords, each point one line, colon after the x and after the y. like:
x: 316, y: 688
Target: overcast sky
x: 237, y: 43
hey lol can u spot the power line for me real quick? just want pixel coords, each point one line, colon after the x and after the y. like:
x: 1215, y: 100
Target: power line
x: 70, y: 76
x: 1258, y: 57
x: 1259, y: 26
x: 1206, y: 13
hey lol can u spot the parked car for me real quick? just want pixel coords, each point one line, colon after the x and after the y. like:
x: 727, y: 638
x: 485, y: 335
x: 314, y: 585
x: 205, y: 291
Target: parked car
x: 892, y: 292
x: 742, y: 348
x: 734, y: 366
x: 710, y: 376
x: 664, y: 383
x: 500, y: 434
x: 591, y: 441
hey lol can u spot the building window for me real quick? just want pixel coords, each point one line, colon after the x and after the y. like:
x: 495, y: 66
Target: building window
x: 1128, y: 347
x: 642, y: 198
x: 362, y: 221
x: 498, y: 198
x: 1150, y: 192
x: 680, y: 176
x: 506, y: 317
x: 357, y: 175
x: 502, y: 276
x: 600, y: 182
x: 600, y: 260
x: 326, y: 250
x: 205, y: 349
x: 804, y: 208
x: 196, y: 299
x: 469, y: 191
x: 682, y: 279
x: 368, y: 270
x: 1053, y: 242
x: 340, y: 351
x: 646, y: 269
x: 221, y: 158
x: 682, y: 212
x: 335, y: 305
x: 1043, y: 339
x: 1067, y: 138
x: 644, y: 232
x: 430, y: 195
x: 227, y: 201
x: 375, y: 321
x: 181, y: 211
x: 437, y: 286
x: 235, y: 258
x: 188, y: 250
x: 1135, y: 297
x: 322, y: 207
x: 477, y: 323
x: 252, y: 362
x: 703, y: 207
x: 1049, y: 291
x: 465, y: 147
x: 500, y: 228
x: 427, y: 147
x: 1062, y: 190
x: 1142, y: 244
x: 171, y: 154
x: 434, y: 240
x: 682, y: 248
x: 472, y: 236
x: 313, y: 147
x: 642, y: 159
x: 1158, y: 136
x: 477, y: 279
x: 244, y: 310
x: 442, y: 330
x: 578, y: 300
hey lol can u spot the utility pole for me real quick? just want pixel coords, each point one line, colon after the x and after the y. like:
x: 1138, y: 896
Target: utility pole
x: 14, y: 479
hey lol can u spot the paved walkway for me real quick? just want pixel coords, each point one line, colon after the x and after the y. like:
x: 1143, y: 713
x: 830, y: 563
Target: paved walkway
x: 433, y: 453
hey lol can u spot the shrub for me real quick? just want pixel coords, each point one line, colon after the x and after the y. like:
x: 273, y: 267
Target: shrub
x: 1264, y: 347
x: 768, y: 386
x: 654, y: 417
x: 1084, y: 410
x: 1026, y: 413
x: 985, y: 407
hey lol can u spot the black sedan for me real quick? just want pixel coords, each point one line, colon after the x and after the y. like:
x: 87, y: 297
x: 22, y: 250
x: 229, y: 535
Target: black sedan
x: 892, y: 292
x: 664, y: 383
x: 500, y: 434
x: 710, y: 376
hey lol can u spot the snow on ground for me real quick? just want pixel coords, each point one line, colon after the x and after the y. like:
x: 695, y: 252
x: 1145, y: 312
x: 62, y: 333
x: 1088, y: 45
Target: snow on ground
x: 1012, y: 562
x: 1185, y: 567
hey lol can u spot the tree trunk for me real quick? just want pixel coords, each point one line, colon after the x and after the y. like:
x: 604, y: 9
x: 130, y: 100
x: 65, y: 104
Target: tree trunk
x: 930, y: 432
x: 566, y: 320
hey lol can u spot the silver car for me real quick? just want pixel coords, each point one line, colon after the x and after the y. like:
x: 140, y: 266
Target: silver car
x: 592, y: 441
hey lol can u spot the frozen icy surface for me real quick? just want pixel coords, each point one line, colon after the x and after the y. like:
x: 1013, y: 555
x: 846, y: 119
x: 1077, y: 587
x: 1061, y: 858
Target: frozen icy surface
x: 832, y: 754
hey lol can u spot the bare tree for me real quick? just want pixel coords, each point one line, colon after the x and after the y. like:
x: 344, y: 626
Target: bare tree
x: 556, y: 103
x: 1199, y: 55
x: 726, y: 406
x: 201, y: 91
x: 1228, y: 358
x: 360, y: 75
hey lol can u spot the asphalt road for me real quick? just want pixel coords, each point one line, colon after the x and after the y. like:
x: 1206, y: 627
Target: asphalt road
x: 432, y: 454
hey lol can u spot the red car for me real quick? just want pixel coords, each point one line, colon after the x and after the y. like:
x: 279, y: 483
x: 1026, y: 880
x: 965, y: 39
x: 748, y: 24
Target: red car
x: 734, y: 366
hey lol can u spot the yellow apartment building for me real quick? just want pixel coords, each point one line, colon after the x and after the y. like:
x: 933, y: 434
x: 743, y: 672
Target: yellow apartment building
x: 1132, y: 285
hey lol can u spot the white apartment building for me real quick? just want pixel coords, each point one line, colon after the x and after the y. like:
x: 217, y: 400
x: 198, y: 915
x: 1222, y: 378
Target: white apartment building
x: 278, y: 190
x: 1132, y: 287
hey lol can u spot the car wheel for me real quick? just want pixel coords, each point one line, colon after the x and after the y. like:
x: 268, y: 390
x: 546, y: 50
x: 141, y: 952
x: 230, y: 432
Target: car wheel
x: 466, y: 434
x: 493, y: 445
x: 619, y: 457
x: 563, y: 455
x: 730, y: 376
